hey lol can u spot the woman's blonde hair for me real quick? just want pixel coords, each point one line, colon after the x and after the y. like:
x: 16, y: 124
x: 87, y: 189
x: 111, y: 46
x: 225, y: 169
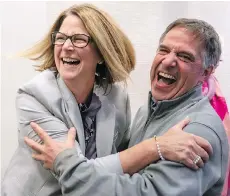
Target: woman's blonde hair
x: 113, y: 45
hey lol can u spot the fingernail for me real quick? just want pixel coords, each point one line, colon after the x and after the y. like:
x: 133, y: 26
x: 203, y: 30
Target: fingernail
x: 72, y: 129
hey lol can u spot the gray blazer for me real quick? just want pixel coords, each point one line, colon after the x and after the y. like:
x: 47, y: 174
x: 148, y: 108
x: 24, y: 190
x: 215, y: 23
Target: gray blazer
x: 47, y: 101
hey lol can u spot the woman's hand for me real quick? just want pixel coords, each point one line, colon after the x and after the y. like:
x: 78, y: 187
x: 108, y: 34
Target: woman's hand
x: 179, y: 146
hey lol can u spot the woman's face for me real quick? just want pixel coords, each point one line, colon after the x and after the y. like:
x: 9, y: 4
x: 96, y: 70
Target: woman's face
x: 74, y: 64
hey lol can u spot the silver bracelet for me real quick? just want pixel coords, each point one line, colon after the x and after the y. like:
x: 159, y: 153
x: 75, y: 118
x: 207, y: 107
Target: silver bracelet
x: 158, y: 149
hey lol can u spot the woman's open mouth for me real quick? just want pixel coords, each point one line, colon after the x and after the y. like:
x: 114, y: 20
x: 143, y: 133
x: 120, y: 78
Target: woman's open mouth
x: 70, y: 61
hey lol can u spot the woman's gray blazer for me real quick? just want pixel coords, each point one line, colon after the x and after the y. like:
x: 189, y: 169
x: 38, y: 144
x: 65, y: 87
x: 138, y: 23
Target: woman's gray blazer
x: 47, y: 101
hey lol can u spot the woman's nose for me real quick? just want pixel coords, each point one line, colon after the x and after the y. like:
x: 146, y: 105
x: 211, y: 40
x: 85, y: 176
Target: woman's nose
x: 68, y: 45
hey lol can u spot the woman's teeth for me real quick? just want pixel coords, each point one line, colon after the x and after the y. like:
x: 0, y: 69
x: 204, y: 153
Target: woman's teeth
x: 70, y: 61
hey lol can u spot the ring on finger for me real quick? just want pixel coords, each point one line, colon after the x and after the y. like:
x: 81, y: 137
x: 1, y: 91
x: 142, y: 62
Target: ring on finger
x: 196, y: 160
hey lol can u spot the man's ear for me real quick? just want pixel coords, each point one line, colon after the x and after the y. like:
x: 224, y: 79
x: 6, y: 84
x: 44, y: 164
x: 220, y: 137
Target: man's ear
x: 208, y: 71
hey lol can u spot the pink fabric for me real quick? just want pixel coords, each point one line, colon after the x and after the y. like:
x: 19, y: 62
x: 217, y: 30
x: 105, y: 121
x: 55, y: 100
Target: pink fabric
x: 211, y: 88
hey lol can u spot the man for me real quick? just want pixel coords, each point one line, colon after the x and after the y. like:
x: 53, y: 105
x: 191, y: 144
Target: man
x: 188, y: 51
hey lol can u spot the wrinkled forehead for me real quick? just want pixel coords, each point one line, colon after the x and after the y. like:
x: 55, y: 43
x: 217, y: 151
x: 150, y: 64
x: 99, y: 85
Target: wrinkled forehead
x: 180, y: 38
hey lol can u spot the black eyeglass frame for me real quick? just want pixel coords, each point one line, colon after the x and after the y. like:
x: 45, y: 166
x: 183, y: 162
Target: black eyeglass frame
x: 53, y: 34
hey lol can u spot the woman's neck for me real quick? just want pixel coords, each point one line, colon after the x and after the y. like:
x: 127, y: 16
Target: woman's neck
x: 80, y: 89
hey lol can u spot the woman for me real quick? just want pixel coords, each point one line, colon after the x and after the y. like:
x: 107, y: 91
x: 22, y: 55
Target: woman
x: 211, y: 89
x: 83, y: 57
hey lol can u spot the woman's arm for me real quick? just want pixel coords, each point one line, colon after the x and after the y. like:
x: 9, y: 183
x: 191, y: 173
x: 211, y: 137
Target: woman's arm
x: 175, y: 145
x: 31, y: 109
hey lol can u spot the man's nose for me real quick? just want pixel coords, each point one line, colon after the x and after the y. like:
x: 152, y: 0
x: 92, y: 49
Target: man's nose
x: 170, y: 59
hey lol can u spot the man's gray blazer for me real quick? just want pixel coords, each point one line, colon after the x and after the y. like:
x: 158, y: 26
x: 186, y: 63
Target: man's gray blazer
x: 47, y: 101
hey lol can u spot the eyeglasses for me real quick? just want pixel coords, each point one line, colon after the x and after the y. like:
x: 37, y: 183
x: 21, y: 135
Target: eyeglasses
x: 78, y: 40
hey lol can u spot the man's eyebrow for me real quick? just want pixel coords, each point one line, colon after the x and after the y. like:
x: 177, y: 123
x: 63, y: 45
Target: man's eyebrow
x: 163, y: 46
x: 182, y: 52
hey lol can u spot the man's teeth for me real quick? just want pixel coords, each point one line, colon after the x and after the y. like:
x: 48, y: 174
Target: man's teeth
x: 167, y: 76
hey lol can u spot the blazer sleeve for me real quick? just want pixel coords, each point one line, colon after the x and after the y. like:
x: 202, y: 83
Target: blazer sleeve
x: 126, y: 138
x: 29, y: 109
x: 76, y: 177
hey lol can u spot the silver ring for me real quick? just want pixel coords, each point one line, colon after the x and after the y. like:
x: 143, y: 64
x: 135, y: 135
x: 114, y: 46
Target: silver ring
x: 196, y: 160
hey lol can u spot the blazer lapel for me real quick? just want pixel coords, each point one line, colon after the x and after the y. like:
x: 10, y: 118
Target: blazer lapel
x: 105, y: 127
x: 73, y: 112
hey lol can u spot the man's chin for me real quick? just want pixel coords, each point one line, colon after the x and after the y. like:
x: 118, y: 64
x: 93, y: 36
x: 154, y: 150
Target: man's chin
x: 160, y: 96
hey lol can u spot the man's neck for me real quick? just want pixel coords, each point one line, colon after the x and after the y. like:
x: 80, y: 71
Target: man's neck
x: 174, y: 98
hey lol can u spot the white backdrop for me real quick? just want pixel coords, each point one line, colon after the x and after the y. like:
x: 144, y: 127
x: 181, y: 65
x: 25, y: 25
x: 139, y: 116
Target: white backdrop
x: 24, y: 23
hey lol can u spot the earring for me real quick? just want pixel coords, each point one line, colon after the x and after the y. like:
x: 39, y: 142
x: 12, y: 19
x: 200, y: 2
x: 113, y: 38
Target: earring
x: 101, y: 62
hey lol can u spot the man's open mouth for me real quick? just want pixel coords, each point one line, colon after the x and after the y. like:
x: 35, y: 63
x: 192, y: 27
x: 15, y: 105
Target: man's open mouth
x: 166, y: 78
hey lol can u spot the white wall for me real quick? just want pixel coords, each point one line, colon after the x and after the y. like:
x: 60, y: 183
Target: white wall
x: 24, y: 23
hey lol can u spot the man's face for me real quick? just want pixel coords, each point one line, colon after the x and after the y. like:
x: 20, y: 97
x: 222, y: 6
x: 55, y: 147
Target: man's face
x: 177, y: 66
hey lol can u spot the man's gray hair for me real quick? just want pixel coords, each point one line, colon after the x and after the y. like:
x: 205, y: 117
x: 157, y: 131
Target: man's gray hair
x: 206, y: 34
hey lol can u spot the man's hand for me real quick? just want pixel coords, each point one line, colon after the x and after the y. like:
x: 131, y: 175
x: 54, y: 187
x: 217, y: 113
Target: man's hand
x: 48, y: 151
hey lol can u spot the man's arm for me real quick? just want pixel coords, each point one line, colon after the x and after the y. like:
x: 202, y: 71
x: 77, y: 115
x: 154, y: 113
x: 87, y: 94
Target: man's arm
x: 76, y: 177
x: 128, y: 161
